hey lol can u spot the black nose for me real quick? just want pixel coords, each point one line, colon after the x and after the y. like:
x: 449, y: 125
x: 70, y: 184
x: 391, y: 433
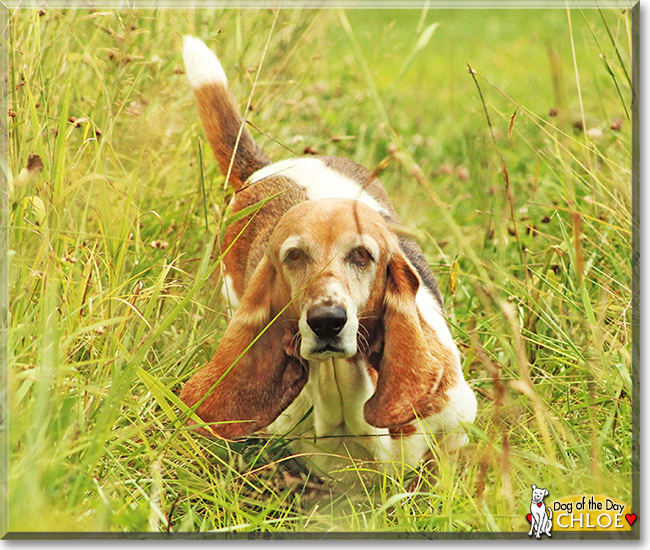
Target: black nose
x: 326, y: 321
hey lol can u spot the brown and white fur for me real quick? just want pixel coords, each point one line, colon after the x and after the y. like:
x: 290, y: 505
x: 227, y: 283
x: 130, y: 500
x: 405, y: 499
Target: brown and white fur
x: 339, y: 341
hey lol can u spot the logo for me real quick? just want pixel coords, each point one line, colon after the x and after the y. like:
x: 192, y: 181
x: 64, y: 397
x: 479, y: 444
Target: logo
x: 540, y: 517
x: 577, y: 513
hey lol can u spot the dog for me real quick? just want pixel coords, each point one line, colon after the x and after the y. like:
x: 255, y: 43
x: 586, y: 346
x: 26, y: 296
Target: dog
x: 339, y: 341
x: 540, y: 516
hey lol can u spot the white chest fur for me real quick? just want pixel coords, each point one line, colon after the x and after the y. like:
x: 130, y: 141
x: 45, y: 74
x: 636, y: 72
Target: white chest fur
x: 339, y: 390
x: 326, y: 423
x: 326, y: 420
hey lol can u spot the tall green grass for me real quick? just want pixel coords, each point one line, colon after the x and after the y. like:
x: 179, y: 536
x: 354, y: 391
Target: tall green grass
x: 526, y: 221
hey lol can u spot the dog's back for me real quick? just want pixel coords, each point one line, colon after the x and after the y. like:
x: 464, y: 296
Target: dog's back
x: 270, y: 190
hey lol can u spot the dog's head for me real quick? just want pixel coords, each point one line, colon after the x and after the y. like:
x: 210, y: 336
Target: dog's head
x: 538, y: 494
x: 333, y: 283
x: 331, y: 258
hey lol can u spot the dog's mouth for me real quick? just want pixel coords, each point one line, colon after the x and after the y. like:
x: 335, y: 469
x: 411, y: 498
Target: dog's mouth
x: 328, y: 350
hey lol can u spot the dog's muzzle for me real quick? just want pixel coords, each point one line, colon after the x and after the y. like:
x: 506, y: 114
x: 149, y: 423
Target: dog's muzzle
x: 327, y: 331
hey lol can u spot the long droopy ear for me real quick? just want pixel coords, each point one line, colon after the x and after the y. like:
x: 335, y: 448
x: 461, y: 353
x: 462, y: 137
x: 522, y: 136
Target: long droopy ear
x: 248, y: 382
x: 414, y: 363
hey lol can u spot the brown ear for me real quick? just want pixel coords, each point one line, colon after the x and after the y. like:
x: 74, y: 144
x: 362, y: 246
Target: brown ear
x: 414, y: 362
x: 251, y: 379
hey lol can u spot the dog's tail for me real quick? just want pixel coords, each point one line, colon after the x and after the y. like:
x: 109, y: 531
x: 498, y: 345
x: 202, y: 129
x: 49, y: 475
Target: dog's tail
x: 223, y: 124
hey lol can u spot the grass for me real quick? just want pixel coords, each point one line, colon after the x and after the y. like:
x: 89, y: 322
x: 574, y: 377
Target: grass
x: 113, y: 306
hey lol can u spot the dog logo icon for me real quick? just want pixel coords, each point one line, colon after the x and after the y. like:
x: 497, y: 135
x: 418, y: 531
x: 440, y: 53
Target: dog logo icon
x: 541, y: 517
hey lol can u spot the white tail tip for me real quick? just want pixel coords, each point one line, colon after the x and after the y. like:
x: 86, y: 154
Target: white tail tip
x: 201, y: 64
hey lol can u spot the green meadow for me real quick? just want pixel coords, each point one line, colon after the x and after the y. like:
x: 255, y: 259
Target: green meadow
x: 515, y: 178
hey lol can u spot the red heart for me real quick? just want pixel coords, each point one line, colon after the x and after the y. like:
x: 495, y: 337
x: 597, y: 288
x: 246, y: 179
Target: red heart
x: 539, y: 504
x: 529, y: 518
x: 631, y: 518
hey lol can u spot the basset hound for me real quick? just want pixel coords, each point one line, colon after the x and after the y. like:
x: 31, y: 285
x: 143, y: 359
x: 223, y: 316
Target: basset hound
x: 339, y: 341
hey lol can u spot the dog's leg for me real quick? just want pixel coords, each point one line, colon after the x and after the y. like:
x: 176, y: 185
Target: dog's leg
x: 549, y: 523
x: 535, y: 523
x: 532, y: 524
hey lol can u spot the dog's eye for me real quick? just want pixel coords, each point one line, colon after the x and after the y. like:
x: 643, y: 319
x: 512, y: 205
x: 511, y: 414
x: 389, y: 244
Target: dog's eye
x: 295, y: 256
x: 360, y: 256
